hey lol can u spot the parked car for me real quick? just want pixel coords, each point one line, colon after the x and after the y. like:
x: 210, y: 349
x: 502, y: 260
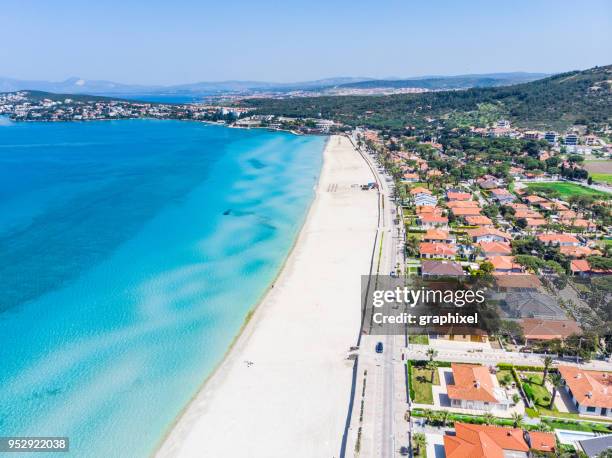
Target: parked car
x: 379, y: 347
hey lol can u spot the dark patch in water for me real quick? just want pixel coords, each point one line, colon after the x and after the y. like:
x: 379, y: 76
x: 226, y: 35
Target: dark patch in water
x: 227, y: 212
x: 256, y: 163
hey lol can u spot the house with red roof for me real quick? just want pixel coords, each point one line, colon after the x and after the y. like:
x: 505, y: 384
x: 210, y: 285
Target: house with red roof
x: 591, y: 391
x: 488, y: 234
x: 438, y: 236
x: 478, y: 220
x: 458, y: 195
x: 505, y: 265
x: 431, y: 220
x: 558, y: 239
x: 485, y: 441
x: 473, y: 388
x: 495, y: 249
x: 538, y: 330
x: 429, y: 250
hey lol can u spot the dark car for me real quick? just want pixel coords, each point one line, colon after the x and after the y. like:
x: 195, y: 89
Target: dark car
x: 379, y: 347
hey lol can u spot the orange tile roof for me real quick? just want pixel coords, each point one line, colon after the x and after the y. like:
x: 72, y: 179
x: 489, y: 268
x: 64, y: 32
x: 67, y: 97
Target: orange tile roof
x: 436, y: 234
x: 495, y: 247
x: 433, y: 218
x: 472, y: 383
x: 533, y: 199
x: 535, y: 328
x: 482, y: 441
x: 478, y: 220
x: 463, y: 204
x: 543, y: 442
x: 526, y: 214
x: 420, y: 190
x: 504, y: 262
x: 536, y: 222
x: 576, y: 251
x: 484, y: 231
x: 442, y: 249
x: 468, y: 211
x: 428, y: 209
x: 590, y: 388
x: 580, y: 265
x: 458, y: 195
x: 557, y: 238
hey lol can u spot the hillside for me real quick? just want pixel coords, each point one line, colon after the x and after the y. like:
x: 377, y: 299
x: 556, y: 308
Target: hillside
x: 449, y: 82
x: 554, y: 102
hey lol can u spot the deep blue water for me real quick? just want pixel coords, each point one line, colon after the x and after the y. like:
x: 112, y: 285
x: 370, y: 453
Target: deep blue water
x: 162, y: 98
x: 130, y: 253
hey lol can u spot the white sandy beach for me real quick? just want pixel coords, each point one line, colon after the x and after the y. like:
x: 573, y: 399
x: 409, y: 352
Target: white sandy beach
x: 293, y: 399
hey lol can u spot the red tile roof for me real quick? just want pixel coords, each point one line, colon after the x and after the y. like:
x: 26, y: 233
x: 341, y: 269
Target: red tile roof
x: 472, y: 383
x: 441, y: 249
x: 557, y: 238
x: 590, y: 388
x: 480, y: 441
x: 478, y: 220
x: 538, y: 329
x: 493, y: 248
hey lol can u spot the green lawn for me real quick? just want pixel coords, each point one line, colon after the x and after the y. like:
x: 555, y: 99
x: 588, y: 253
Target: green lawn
x: 504, y: 375
x: 566, y: 189
x: 533, y: 385
x: 419, y: 340
x: 421, y: 384
x: 602, y: 177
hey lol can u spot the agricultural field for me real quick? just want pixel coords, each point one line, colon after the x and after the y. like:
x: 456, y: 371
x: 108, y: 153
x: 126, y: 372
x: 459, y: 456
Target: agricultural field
x: 600, y: 171
x: 566, y: 189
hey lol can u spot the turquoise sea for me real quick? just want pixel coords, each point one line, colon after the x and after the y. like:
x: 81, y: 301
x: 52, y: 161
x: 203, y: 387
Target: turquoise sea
x: 130, y: 254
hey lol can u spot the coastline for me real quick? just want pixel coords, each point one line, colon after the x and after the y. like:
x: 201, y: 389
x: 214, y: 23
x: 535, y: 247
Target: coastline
x: 275, y: 344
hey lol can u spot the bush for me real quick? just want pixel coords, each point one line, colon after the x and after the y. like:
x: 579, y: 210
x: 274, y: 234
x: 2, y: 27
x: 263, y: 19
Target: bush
x: 409, y: 369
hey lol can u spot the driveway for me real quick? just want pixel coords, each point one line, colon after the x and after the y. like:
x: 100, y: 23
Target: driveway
x: 435, y: 445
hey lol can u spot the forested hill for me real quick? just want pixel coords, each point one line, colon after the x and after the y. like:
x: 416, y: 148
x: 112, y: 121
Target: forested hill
x: 556, y: 102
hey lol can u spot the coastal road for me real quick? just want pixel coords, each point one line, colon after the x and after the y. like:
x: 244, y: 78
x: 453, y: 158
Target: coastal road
x: 384, y: 430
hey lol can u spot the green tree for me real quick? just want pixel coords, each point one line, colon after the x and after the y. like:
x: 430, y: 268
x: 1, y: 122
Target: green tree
x: 517, y: 419
x: 547, y: 364
x: 419, y: 442
x: 557, y: 382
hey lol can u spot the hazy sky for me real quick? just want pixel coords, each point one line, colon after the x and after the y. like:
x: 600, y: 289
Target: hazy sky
x: 167, y: 42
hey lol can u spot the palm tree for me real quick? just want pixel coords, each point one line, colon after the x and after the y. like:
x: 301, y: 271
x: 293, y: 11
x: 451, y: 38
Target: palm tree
x: 444, y: 417
x: 517, y: 418
x: 432, y: 366
x: 428, y: 414
x: 557, y: 382
x: 431, y: 354
x: 547, y: 363
x: 488, y: 418
x: 419, y: 440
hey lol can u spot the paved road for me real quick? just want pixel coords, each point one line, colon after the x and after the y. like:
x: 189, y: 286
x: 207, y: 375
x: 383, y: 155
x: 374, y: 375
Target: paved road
x: 385, y: 429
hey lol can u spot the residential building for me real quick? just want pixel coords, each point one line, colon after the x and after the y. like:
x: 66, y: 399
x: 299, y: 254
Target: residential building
x: 530, y: 304
x: 550, y: 137
x: 505, y: 265
x: 593, y: 448
x: 484, y: 441
x: 558, y: 239
x: 538, y: 330
x: 431, y: 220
x: 484, y: 234
x: 441, y: 269
x: 591, y: 391
x: 495, y: 249
x: 438, y: 236
x: 437, y: 250
x: 503, y: 196
x: 473, y: 388
x: 570, y: 140
x: 478, y: 220
x: 458, y: 195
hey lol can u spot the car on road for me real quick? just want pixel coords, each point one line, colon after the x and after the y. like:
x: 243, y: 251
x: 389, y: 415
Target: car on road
x: 379, y: 347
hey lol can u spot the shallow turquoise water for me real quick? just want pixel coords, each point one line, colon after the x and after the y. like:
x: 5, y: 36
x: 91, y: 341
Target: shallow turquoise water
x: 130, y: 253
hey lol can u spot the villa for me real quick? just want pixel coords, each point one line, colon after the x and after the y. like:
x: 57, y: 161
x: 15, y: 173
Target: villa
x: 483, y: 234
x: 591, y: 391
x: 438, y: 236
x: 483, y: 441
x: 474, y: 388
x: 429, y: 250
x: 558, y: 239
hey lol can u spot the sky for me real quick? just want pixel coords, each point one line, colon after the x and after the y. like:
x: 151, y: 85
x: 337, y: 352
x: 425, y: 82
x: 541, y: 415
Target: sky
x: 183, y: 41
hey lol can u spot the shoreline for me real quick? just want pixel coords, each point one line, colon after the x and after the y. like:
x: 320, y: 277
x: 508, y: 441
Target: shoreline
x: 247, y: 319
x: 257, y: 337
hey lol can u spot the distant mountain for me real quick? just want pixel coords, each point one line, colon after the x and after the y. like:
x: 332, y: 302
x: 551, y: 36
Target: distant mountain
x: 95, y: 87
x: 449, y: 82
x: 77, y: 85
x: 72, y: 86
